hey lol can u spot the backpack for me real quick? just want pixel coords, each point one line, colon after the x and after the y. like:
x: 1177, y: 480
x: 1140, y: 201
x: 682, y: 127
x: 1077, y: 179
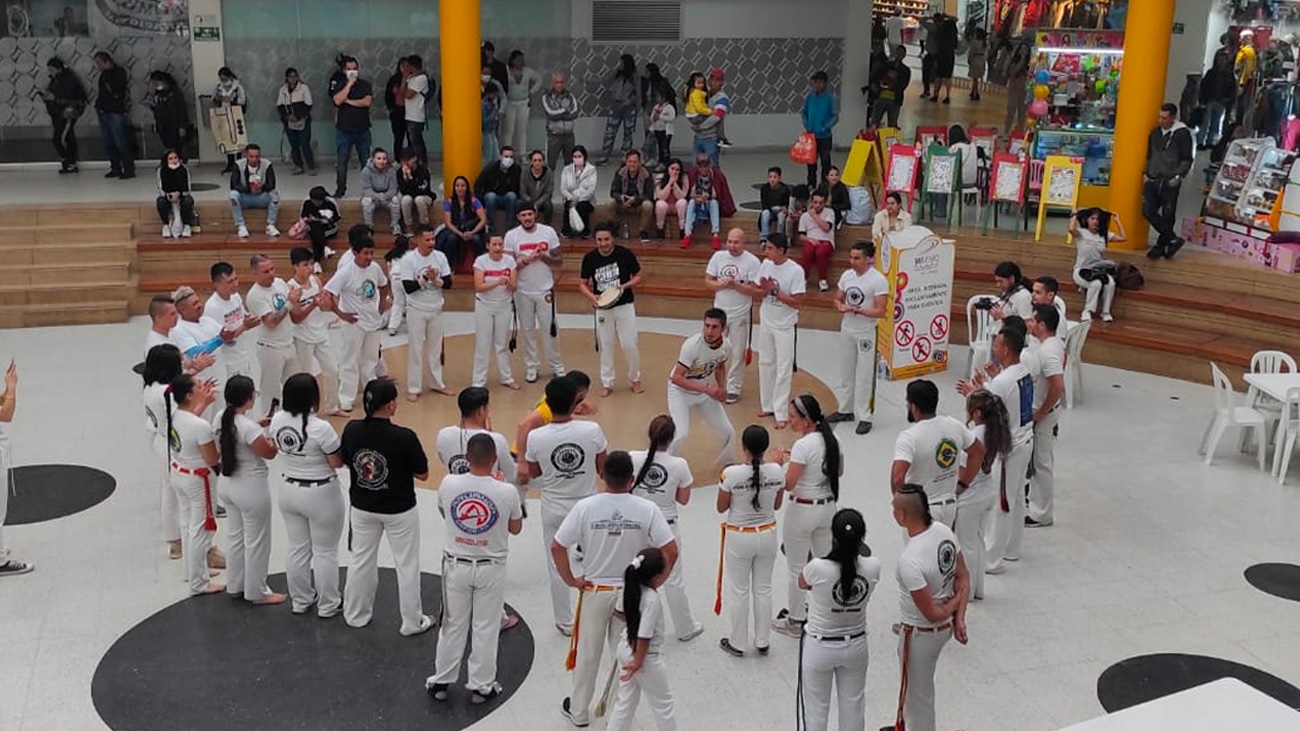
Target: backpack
x: 1127, y: 276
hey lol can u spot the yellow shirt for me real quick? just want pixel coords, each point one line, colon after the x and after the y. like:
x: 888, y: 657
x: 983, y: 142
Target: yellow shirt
x: 697, y: 102
x: 543, y: 410
x: 1247, y: 64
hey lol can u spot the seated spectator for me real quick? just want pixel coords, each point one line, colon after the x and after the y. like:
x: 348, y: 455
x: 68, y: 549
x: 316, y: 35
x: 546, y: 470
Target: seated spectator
x: 537, y: 186
x: 671, y: 193
x: 632, y: 193
x: 837, y: 196
x: 413, y: 186
x: 1092, y: 271
x: 1045, y: 292
x: 726, y: 204
x: 321, y: 212
x: 799, y: 203
x: 498, y: 187
x: 252, y: 185
x: 817, y: 235
x: 379, y: 187
x: 893, y: 218
x: 463, y: 222
x: 710, y: 197
x: 578, y: 190
x: 775, y: 198
x: 175, y: 204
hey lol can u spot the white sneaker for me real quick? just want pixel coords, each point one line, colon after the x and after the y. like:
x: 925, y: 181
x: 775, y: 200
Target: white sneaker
x: 1106, y: 317
x: 167, y: 231
x: 328, y: 252
x: 315, y: 268
x: 242, y: 232
x: 271, y: 230
x: 397, y: 231
x: 1085, y: 317
x: 186, y: 232
x: 822, y: 286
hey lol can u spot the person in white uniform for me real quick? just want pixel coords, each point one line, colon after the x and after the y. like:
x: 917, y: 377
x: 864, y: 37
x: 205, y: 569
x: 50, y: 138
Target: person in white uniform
x: 161, y: 365
x: 782, y: 283
x: 243, y: 488
x: 612, y: 267
x: 359, y: 294
x: 425, y: 274
x: 749, y: 494
x: 1015, y: 299
x: 698, y: 382
x: 311, y: 318
x: 1046, y: 363
x: 496, y: 278
x: 987, y: 420
x: 1045, y: 292
x: 310, y: 498
x: 163, y: 317
x: 665, y: 480
x: 269, y: 300
x: 933, y: 588
x: 536, y: 250
x: 192, y: 450
x: 612, y: 527
x: 226, y: 307
x: 564, y: 458
x: 481, y: 513
x: 197, y: 333
x: 1090, y: 241
x: 731, y: 274
x: 861, y: 297
x: 8, y: 403
x: 936, y: 452
x: 384, y: 460
x: 639, y: 652
x: 475, y: 418
x: 834, y: 647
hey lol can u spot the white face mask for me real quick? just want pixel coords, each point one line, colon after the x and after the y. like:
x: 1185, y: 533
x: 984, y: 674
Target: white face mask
x: 352, y: 73
x: 507, y: 162
x: 486, y: 78
x: 174, y: 165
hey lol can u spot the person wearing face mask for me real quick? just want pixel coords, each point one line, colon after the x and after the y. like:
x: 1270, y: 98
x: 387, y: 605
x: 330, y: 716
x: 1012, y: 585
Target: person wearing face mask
x: 171, y: 117
x: 497, y: 185
x: 578, y: 189
x: 537, y: 186
x: 352, y: 96
x: 294, y: 104
x: 229, y: 93
x: 175, y: 204
x: 379, y: 187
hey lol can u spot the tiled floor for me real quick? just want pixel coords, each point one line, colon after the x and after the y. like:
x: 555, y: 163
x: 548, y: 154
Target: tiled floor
x: 1146, y: 556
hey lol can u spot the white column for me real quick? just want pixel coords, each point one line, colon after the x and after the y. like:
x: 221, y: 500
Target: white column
x: 1191, y: 51
x: 856, y: 72
x: 209, y: 54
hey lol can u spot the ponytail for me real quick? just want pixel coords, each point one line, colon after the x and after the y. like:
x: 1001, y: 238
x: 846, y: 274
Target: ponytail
x: 755, y: 440
x: 756, y: 480
x: 648, y: 564
x: 167, y: 401
x: 662, y: 431
x: 847, y: 531
x: 239, y: 391
x: 832, y: 462
x: 986, y: 408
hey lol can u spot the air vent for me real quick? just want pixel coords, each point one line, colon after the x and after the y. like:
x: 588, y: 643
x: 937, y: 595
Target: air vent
x: 619, y: 21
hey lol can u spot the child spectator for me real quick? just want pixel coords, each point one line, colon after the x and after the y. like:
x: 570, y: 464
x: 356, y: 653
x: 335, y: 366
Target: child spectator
x: 775, y: 198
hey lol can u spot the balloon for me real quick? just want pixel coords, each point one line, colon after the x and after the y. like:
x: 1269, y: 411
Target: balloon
x: 1114, y: 74
x: 1041, y: 91
x: 1101, y: 86
x: 1087, y: 64
x: 1038, y: 108
x: 1042, y: 76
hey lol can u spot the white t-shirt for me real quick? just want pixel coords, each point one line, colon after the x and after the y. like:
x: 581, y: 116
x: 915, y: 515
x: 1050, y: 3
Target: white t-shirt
x: 314, y: 328
x: 1043, y: 362
x: 495, y: 271
x: 263, y: 301
x: 566, y: 453
x: 358, y: 293
x: 929, y: 559
x: 228, y: 313
x: 155, y: 415
x: 535, y: 277
x: 743, y: 268
x: 1015, y: 386
x: 832, y: 610
x: 861, y: 290
x: 478, y: 511
x: 981, y: 478
x: 651, y: 627
x: 451, y: 451
x: 1063, y: 327
x: 247, y: 463
x: 612, y: 529
x: 429, y: 297
x: 418, y: 83
x: 808, y: 225
x: 1019, y: 302
x: 789, y: 276
x: 738, y: 479
x: 700, y: 359
x: 810, y: 451
x: 303, y: 456
x: 188, y: 433
x: 1090, y: 248
x: 187, y: 335
x: 153, y: 339
x: 894, y: 26
x: 667, y: 474
x: 933, y: 450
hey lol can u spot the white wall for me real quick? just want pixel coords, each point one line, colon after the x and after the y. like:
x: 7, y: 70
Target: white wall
x: 1187, y: 51
x: 746, y: 18
x: 208, y: 57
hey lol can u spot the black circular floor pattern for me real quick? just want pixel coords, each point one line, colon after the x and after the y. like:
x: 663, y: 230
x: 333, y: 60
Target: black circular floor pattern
x: 1279, y: 579
x: 213, y: 663
x: 1148, y: 677
x: 751, y: 205
x: 196, y: 187
x: 41, y: 492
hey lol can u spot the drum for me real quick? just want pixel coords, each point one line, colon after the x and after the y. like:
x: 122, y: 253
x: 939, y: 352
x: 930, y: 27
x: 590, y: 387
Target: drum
x: 608, y: 298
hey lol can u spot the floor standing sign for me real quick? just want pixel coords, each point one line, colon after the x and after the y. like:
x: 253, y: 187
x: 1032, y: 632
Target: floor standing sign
x: 912, y: 337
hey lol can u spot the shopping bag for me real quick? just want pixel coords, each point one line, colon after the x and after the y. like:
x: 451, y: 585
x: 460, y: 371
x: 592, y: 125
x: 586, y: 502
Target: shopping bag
x: 575, y: 219
x: 804, y: 149
x: 228, y: 128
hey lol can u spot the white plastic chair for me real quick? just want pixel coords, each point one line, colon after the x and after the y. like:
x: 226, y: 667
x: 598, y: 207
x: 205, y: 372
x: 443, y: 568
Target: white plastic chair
x: 979, y: 332
x: 1074, y: 342
x: 1228, y: 414
x: 1288, y: 429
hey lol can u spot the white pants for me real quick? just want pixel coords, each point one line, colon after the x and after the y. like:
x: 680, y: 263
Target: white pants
x: 358, y: 364
x: 561, y: 599
x: 738, y: 335
x: 277, y: 362
x: 393, y: 319
x: 922, y: 657
x: 597, y: 627
x: 1008, y: 527
x: 775, y: 369
x: 680, y: 405
x: 679, y: 606
x: 472, y: 598
x: 492, y: 335
x: 806, y: 528
x: 857, y: 391
x: 329, y: 371
x: 248, y: 535
x: 651, y: 680
x: 1043, y: 484
x: 621, y: 322
x: 169, y: 505
x: 403, y: 531
x: 535, y: 318
x: 425, y: 329
x: 974, y: 513
x: 195, y: 539
x: 235, y: 356
x: 515, y: 131
x: 313, y: 521
x: 747, y: 570
x: 844, y: 663
x: 1096, y: 290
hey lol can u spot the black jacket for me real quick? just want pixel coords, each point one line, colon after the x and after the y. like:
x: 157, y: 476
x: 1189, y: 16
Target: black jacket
x: 173, y: 181
x: 170, y: 111
x: 68, y: 94
x: 114, y: 91
x: 1169, y: 158
x: 495, y: 179
x: 415, y: 185
x: 1219, y: 85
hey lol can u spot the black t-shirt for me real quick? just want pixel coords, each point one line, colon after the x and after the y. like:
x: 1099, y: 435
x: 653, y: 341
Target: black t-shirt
x: 608, y: 271
x: 350, y: 119
x: 382, y: 459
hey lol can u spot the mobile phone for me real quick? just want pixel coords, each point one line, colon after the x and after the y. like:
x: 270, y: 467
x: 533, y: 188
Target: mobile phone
x: 275, y: 406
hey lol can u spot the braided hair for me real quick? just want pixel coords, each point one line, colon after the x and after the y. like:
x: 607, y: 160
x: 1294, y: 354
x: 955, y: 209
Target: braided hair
x: 661, y: 433
x: 832, y: 462
x: 987, y: 408
x: 648, y: 564
x: 755, y: 439
x: 239, y: 391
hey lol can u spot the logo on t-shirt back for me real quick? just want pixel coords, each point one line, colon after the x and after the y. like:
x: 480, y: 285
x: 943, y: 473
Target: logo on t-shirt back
x: 474, y: 513
x: 289, y: 439
x: 850, y: 596
x: 655, y: 478
x: 458, y: 465
x: 372, y: 470
x: 945, y: 454
x: 568, y: 459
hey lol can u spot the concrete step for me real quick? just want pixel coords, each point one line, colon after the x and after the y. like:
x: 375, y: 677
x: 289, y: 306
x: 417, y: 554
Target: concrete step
x: 64, y: 273
x: 53, y: 294
x: 14, y: 236
x: 92, y: 312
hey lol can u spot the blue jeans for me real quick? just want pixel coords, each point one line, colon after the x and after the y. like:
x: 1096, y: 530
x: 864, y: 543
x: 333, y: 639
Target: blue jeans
x: 300, y: 147
x: 709, y: 209
x: 117, y: 142
x: 270, y: 200
x: 765, y: 221
x: 507, y: 202
x: 343, y: 143
x: 706, y: 146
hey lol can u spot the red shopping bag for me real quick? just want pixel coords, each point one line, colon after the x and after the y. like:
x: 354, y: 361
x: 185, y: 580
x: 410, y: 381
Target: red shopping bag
x: 804, y: 149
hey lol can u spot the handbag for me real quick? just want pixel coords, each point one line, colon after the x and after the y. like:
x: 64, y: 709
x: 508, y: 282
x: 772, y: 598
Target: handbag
x: 1127, y: 276
x: 298, y: 231
x: 575, y: 219
x: 804, y: 149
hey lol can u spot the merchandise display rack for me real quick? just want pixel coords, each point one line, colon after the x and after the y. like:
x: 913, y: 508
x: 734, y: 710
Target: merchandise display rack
x: 1246, y: 189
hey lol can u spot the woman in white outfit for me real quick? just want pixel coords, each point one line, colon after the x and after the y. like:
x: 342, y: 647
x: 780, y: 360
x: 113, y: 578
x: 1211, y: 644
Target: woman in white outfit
x: 192, y: 450
x: 989, y: 423
x: 495, y: 279
x: 665, y: 480
x: 812, y: 477
x: 750, y: 494
x: 162, y: 364
x: 311, y: 499
x: 1090, y: 259
x: 244, y: 491
x: 639, y: 651
x: 393, y: 265
x: 833, y: 650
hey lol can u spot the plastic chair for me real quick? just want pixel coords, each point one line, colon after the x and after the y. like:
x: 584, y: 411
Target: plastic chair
x: 1268, y: 361
x: 979, y: 331
x: 1288, y: 429
x: 1033, y: 189
x: 1074, y: 342
x: 1228, y: 414
x: 977, y: 192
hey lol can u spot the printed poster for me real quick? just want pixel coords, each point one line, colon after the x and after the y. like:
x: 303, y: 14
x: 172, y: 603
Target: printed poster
x: 912, y: 338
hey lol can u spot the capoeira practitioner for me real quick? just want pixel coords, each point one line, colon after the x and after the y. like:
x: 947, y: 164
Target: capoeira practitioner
x: 359, y: 295
x: 1046, y: 364
x: 192, y: 450
x: 536, y: 249
x: 226, y: 307
x: 425, y: 274
x: 605, y: 268
x: 639, y: 647
x: 782, y: 282
x: 861, y: 297
x: 731, y: 274
x: 8, y: 402
x: 698, y: 381
x: 495, y: 280
x: 268, y: 300
x: 612, y: 527
x: 933, y: 589
x: 481, y: 513
x: 928, y: 453
x: 311, y: 323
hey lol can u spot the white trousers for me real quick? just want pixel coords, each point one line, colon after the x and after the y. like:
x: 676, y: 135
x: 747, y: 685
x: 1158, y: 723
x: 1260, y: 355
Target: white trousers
x: 1042, y: 486
x: 236, y: 359
x: 921, y: 650
x: 535, y: 318
x: 195, y: 539
x: 329, y: 371
x: 561, y: 599
x: 597, y: 627
x: 974, y: 514
x: 403, y: 532
x: 492, y: 335
x: 248, y: 535
x: 857, y: 391
x: 472, y: 599
x: 748, y: 561
x: 652, y: 681
x: 393, y: 319
x: 358, y: 363
x: 277, y: 363
x: 1008, y: 527
x: 169, y: 506
x: 775, y: 369
x: 738, y: 335
x: 679, y: 606
x: 313, y: 521
x: 844, y: 664
x: 806, y: 528
x: 680, y: 405
x: 425, y: 329
x: 618, y: 322
x: 1096, y: 291
x: 515, y: 130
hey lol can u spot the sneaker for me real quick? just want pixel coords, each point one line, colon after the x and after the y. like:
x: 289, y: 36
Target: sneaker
x: 242, y: 231
x: 328, y: 252
x: 69, y: 169
x: 696, y: 631
x: 1155, y: 252
x: 864, y: 427
x: 573, y: 717
x: 724, y: 142
x: 1173, y: 248
x: 186, y: 232
x: 113, y: 174
x: 14, y: 567
x: 822, y: 286
x: 686, y: 242
x: 839, y: 416
x: 436, y: 691
x: 786, y: 626
x: 716, y: 242
x: 1031, y: 523
x: 397, y: 231
x: 271, y: 230
x: 483, y: 695
x: 725, y: 644
x: 339, y: 193
x: 645, y: 236
x: 167, y: 231
x: 733, y: 398
x: 126, y: 176
x: 1085, y: 317
x: 298, y: 171
x: 1107, y: 317
x: 762, y: 649
x: 425, y: 623
x: 996, y: 570
x: 530, y: 376
x: 565, y: 629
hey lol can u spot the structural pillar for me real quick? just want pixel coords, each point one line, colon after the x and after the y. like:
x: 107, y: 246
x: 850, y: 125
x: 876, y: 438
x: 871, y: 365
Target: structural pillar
x: 856, y: 72
x: 1141, y: 92
x: 462, y: 129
